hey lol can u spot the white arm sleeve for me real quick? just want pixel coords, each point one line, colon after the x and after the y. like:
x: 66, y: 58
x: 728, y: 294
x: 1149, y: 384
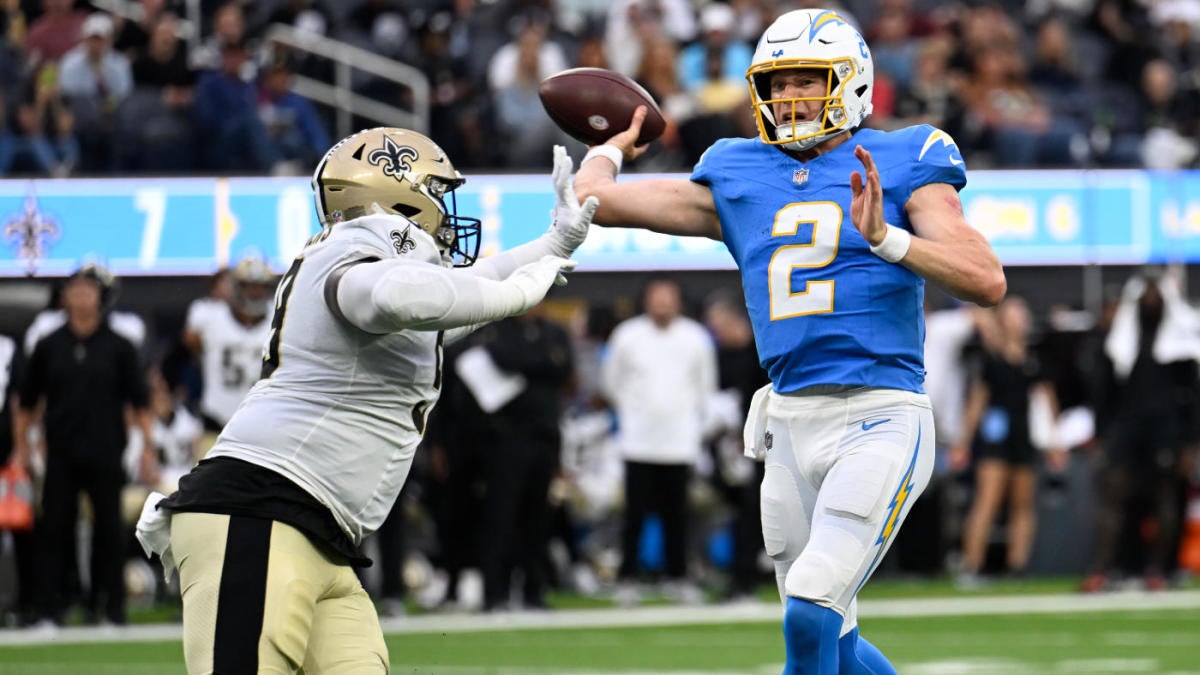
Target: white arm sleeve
x: 392, y: 295
x: 502, y: 264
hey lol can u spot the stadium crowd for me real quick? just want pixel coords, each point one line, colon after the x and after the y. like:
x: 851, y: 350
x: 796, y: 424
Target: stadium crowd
x: 1043, y: 83
x: 1038, y: 84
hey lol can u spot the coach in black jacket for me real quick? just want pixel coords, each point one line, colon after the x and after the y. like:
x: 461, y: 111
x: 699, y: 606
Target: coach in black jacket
x: 86, y: 374
x: 519, y: 469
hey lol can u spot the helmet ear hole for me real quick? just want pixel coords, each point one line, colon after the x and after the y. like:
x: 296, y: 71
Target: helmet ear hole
x: 406, y: 210
x: 861, y: 90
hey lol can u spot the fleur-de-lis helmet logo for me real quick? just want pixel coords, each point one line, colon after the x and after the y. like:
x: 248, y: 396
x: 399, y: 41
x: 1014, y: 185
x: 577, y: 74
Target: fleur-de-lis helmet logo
x: 393, y: 158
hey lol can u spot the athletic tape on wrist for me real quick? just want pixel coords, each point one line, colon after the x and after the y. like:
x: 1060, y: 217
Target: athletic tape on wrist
x: 611, y: 152
x: 895, y: 244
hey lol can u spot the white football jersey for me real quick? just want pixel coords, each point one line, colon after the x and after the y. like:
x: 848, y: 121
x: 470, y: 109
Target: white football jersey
x: 231, y: 356
x: 340, y: 411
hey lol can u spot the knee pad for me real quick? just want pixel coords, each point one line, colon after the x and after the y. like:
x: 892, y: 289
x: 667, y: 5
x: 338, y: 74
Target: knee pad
x: 784, y: 522
x: 820, y: 577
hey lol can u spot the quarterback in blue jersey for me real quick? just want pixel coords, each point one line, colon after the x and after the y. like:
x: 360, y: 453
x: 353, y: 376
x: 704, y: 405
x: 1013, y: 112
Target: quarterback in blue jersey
x: 834, y: 229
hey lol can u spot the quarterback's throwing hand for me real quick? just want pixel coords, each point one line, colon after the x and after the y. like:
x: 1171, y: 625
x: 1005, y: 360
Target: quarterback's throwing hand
x: 571, y: 221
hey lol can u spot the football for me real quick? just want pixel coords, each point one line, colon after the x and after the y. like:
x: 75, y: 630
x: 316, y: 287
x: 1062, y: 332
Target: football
x: 593, y: 104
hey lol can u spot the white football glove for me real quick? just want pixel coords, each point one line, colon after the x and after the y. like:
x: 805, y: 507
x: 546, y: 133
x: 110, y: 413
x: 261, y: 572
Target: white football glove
x: 533, y: 280
x: 570, y: 220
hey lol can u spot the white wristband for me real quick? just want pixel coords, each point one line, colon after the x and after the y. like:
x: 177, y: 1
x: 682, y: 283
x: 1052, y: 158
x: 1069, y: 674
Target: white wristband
x: 610, y: 152
x: 894, y: 246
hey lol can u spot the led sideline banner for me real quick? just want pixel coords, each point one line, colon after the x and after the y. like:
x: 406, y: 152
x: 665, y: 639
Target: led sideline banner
x: 191, y: 226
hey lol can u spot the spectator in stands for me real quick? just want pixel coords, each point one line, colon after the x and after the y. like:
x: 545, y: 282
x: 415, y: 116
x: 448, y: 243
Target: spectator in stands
x: 514, y: 75
x: 226, y: 115
x: 154, y: 126
x: 893, y: 47
x: 1020, y: 129
x: 162, y: 63
x: 311, y: 16
x: 1169, y: 119
x: 43, y: 140
x: 1125, y: 26
x: 133, y: 36
x: 525, y: 456
x: 591, y: 51
x: 632, y: 24
x: 363, y: 18
x: 661, y: 371
x: 1053, y: 68
x: 996, y: 426
x: 229, y: 27
x: 718, y: 93
x: 95, y: 79
x: 55, y: 32
x: 291, y: 121
x: 529, y: 55
x: 458, y: 122
x: 658, y: 74
x: 84, y: 374
x: 474, y: 36
x: 717, y: 24
x: 931, y: 97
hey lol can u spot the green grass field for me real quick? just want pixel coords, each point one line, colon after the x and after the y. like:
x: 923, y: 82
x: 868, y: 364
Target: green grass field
x: 924, y: 641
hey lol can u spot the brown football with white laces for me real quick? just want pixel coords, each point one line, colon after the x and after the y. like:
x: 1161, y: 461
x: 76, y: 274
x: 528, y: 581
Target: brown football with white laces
x: 594, y: 104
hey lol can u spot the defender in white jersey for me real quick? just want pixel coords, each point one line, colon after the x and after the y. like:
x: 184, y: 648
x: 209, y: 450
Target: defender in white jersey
x: 265, y: 529
x: 229, y: 338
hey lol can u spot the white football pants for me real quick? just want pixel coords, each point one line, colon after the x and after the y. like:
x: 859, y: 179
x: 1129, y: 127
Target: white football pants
x: 842, y: 473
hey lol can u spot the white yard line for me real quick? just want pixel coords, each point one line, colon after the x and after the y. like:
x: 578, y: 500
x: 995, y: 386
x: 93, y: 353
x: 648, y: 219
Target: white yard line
x: 667, y: 616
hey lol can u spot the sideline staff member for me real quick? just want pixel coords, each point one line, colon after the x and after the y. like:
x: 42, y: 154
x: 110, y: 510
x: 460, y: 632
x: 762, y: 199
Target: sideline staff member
x: 86, y: 374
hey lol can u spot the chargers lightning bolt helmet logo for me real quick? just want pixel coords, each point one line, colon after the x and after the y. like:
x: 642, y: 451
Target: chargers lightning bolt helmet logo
x: 823, y: 19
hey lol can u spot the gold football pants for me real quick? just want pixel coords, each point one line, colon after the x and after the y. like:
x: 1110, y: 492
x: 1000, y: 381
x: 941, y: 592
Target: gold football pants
x: 259, y: 597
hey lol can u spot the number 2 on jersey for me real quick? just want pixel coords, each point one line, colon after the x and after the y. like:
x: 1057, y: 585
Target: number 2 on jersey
x: 817, y: 295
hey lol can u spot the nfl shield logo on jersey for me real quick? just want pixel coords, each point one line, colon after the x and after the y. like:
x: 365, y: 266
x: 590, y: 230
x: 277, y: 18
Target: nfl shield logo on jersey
x: 800, y: 176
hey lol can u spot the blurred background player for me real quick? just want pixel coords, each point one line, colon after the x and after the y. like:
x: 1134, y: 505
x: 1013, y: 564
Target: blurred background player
x: 229, y: 338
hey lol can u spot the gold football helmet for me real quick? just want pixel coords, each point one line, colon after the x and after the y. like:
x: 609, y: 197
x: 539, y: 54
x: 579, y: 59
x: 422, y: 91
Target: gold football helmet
x: 396, y: 171
x: 253, y: 286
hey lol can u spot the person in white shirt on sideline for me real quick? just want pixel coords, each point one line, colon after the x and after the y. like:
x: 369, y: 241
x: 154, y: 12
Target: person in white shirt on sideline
x: 660, y: 372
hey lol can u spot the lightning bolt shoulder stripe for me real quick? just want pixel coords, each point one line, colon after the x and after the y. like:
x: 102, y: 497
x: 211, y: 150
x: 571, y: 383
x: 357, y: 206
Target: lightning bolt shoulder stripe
x: 934, y: 137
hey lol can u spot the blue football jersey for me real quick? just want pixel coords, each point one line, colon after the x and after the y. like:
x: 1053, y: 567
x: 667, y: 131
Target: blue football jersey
x: 825, y: 310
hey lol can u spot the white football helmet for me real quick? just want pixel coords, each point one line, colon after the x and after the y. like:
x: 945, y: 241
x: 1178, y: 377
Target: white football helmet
x: 820, y: 40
